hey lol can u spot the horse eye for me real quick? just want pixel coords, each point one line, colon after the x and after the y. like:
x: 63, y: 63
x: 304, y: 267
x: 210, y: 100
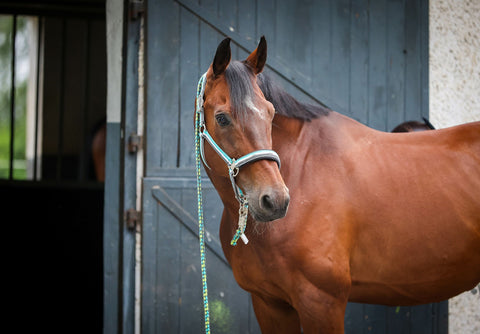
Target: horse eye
x: 222, y: 120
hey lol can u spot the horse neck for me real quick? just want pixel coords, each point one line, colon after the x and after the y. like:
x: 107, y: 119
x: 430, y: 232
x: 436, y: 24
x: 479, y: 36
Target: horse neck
x: 287, y: 128
x: 326, y: 135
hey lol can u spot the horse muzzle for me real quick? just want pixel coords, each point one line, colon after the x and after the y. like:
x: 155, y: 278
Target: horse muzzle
x: 270, y: 205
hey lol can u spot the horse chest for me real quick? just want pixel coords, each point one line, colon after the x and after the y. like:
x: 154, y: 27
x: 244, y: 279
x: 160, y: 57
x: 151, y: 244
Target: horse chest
x: 266, y: 275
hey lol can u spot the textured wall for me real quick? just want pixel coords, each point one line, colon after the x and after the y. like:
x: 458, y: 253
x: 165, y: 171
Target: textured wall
x: 454, y: 61
x: 454, y: 72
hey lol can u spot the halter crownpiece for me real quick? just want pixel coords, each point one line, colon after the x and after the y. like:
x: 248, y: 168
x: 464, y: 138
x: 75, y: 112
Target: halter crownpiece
x: 233, y: 165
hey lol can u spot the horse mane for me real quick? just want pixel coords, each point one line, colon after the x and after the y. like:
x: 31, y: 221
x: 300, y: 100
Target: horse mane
x: 285, y: 104
x: 239, y: 78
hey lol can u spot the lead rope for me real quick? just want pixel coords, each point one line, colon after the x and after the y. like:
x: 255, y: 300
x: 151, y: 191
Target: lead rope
x: 201, y: 229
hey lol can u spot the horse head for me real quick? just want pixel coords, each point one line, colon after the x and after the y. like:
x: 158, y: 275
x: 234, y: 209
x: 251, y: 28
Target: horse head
x: 238, y: 120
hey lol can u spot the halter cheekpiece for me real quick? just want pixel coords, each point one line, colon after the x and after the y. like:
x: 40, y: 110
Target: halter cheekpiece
x: 233, y: 165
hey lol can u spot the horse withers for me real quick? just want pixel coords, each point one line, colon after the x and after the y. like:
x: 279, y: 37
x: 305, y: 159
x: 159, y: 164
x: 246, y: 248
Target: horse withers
x: 350, y: 214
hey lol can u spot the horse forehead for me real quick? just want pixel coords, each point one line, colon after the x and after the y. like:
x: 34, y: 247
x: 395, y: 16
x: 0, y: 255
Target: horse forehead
x: 217, y: 93
x: 258, y: 107
x: 256, y: 104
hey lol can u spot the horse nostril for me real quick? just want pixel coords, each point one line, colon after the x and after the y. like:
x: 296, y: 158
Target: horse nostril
x: 267, y: 202
x: 287, y: 201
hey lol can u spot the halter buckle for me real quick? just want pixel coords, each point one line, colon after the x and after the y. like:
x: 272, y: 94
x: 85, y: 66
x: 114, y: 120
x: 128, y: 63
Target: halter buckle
x: 233, y: 169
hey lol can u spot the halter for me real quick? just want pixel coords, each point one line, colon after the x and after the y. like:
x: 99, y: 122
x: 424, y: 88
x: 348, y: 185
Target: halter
x: 233, y: 165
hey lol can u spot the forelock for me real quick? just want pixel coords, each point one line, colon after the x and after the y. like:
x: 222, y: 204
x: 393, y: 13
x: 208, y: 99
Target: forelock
x: 239, y: 79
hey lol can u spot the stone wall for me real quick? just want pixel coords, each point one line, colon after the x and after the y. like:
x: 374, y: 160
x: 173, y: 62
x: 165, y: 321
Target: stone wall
x: 454, y: 93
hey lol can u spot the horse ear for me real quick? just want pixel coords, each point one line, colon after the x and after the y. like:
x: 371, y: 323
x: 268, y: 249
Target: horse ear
x: 222, y: 57
x: 258, y: 57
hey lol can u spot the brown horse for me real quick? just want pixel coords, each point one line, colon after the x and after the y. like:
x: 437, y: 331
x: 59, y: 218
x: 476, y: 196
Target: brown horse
x: 412, y: 126
x: 372, y: 217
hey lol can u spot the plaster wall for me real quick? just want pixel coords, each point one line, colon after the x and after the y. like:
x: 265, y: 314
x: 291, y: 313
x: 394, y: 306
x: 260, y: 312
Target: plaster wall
x: 454, y: 67
x: 454, y: 98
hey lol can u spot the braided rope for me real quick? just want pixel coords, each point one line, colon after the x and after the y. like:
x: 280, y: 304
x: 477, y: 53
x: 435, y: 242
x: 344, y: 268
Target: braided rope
x: 242, y: 222
x: 201, y: 229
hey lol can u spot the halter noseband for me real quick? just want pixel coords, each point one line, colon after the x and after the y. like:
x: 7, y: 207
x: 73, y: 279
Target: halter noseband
x: 233, y: 165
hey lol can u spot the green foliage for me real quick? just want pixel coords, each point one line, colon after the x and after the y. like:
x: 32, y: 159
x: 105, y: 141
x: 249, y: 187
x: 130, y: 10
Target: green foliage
x: 5, y: 45
x: 6, y: 28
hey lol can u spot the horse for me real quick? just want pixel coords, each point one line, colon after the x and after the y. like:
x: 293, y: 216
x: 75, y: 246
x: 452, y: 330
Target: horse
x: 412, y: 126
x: 346, y: 212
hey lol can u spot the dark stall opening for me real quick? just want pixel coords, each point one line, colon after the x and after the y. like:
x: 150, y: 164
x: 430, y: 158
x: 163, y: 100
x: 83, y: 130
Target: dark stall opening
x: 52, y: 117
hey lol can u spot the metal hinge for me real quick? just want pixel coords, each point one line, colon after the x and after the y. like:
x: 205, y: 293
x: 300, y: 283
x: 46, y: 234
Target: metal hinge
x: 134, y: 143
x: 137, y: 8
x: 132, y: 218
